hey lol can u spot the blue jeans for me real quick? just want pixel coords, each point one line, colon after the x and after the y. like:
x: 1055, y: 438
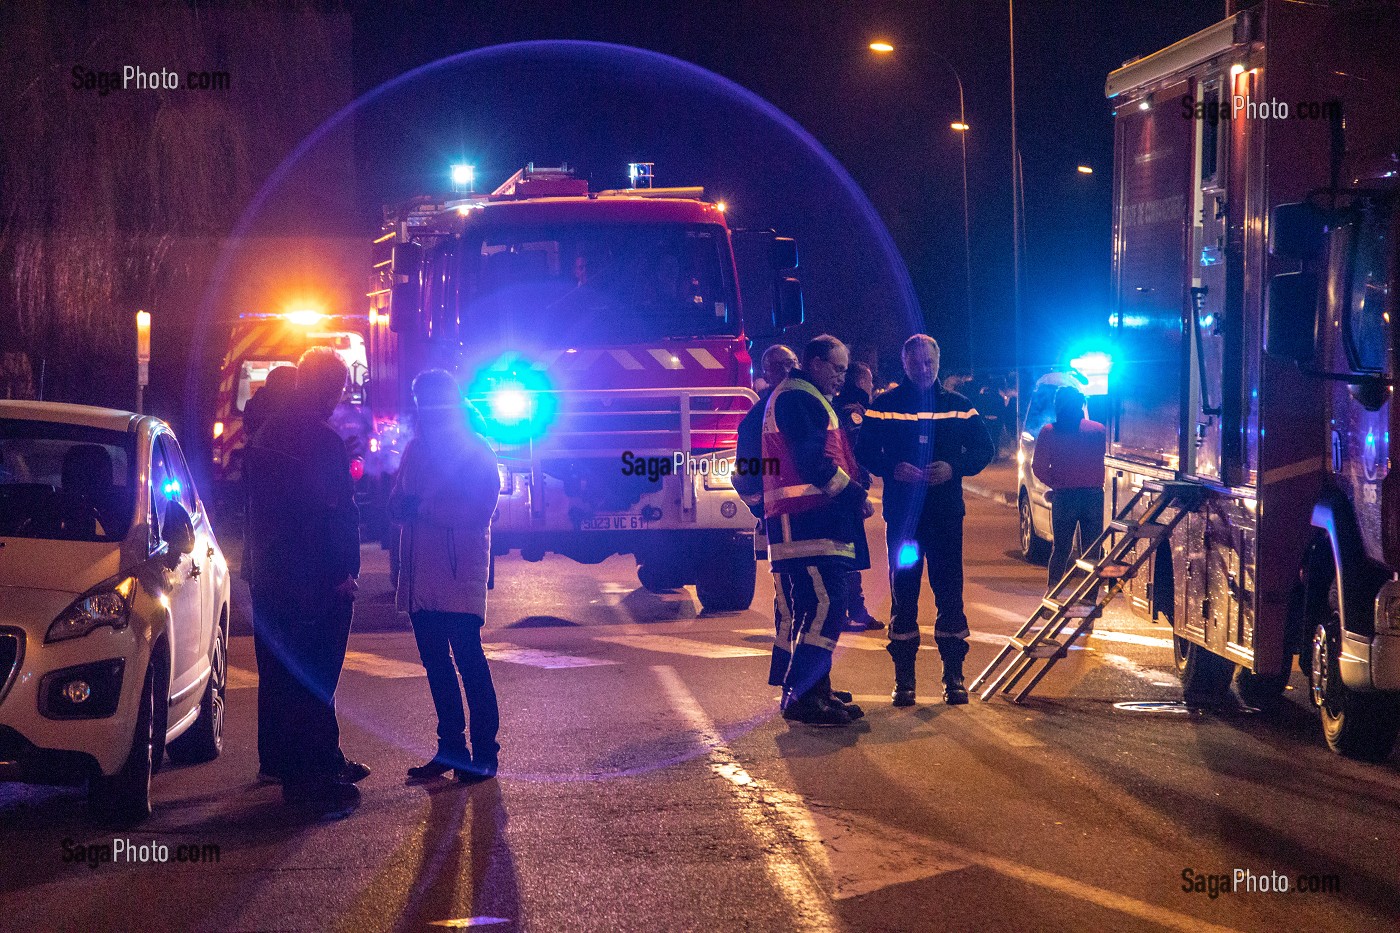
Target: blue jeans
x: 1070, y: 509
x: 443, y: 637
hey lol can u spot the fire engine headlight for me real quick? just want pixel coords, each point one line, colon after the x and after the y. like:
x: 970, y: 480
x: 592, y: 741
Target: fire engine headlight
x: 109, y: 605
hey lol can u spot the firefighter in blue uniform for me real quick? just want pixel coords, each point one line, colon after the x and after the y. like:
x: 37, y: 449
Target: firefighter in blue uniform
x: 813, y: 512
x: 922, y: 440
x: 777, y: 361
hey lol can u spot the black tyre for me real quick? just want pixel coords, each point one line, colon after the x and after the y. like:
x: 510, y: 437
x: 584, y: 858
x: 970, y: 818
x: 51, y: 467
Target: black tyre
x: 1205, y: 678
x: 1262, y: 691
x: 204, y: 741
x: 1180, y: 646
x: 728, y: 576
x: 1357, y: 725
x: 125, y: 797
x: 660, y: 576
x: 1034, y: 548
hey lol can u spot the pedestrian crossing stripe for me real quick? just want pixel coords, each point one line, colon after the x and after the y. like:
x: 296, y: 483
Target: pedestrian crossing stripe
x: 534, y: 657
x: 670, y: 644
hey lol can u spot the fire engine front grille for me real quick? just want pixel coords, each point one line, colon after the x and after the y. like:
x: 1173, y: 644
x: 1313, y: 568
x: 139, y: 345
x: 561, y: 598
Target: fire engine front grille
x: 11, y: 651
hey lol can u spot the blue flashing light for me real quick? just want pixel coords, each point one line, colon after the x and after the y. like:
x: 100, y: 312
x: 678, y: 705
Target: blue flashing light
x: 907, y: 556
x: 515, y: 399
x: 171, y: 489
x: 1094, y: 367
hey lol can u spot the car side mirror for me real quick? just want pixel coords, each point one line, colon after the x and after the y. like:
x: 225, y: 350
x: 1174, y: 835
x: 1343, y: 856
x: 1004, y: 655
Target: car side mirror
x: 177, y: 531
x: 406, y: 294
x: 1290, y: 331
x: 787, y: 308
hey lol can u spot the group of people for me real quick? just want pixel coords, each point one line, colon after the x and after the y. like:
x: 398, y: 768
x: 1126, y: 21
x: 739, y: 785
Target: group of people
x: 302, y: 560
x: 816, y: 420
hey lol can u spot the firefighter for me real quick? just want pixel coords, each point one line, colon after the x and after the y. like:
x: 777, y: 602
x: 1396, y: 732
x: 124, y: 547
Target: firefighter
x: 922, y: 440
x: 777, y: 361
x: 813, y: 512
x: 850, y: 404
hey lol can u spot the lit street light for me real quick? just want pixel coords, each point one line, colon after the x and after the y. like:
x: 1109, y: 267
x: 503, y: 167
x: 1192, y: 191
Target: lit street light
x: 961, y: 127
x: 1085, y: 170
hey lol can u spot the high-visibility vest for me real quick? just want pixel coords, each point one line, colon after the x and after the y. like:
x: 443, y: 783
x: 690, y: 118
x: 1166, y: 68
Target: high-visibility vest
x: 786, y: 493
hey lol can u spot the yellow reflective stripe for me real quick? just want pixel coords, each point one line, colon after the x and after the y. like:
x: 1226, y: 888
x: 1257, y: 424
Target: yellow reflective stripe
x: 919, y: 416
x: 814, y: 547
x: 837, y: 483
x: 793, y: 492
x: 903, y: 636
x: 817, y: 641
x: 813, y: 636
x: 783, y: 635
x: 770, y: 423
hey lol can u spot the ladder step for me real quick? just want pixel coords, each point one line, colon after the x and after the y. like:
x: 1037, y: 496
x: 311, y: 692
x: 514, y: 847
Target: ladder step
x: 1140, y: 529
x: 1045, y: 648
x: 1110, y: 571
x: 1068, y: 610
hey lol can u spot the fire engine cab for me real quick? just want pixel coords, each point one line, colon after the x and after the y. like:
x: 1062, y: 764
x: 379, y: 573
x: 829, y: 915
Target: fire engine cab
x: 1254, y: 262
x: 600, y: 338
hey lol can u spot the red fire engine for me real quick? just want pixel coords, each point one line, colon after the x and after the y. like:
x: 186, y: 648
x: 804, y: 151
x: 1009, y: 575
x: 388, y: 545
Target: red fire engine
x: 1254, y: 260
x: 600, y: 337
x: 260, y: 343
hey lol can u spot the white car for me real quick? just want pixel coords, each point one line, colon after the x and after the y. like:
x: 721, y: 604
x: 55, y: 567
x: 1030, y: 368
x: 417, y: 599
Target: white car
x: 1036, y: 534
x: 114, y: 604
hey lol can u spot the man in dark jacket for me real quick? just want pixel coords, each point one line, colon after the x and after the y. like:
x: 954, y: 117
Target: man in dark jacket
x: 303, y: 531
x: 813, y: 512
x: 922, y: 440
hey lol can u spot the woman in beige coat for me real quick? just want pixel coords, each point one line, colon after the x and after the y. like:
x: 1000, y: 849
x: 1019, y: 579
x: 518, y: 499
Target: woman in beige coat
x: 444, y: 498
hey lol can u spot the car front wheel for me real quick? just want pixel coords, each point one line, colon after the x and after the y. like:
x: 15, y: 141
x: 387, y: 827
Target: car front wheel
x: 205, y: 739
x: 125, y: 797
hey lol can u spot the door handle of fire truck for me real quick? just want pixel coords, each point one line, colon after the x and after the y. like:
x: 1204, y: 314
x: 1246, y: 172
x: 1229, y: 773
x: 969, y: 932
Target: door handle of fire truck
x: 1198, y: 300
x: 1336, y: 452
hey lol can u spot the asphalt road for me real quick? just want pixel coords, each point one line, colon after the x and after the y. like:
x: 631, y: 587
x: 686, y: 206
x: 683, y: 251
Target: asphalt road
x: 648, y: 784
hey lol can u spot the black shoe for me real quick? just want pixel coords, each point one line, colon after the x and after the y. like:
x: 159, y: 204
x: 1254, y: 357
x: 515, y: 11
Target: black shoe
x: 813, y: 713
x: 267, y: 777
x: 903, y: 695
x: 841, y: 696
x: 476, y: 772
x: 352, y: 772
x: 954, y: 693
x: 429, y: 771
x: 854, y: 711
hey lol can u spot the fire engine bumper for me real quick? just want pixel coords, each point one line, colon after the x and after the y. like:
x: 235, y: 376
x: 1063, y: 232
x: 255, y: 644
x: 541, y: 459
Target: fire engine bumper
x: 1373, y: 663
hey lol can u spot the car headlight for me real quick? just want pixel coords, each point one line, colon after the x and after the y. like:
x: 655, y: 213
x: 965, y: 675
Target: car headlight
x: 105, y: 605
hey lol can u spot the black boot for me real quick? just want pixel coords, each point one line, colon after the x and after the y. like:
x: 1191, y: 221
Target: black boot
x: 904, y: 654
x: 954, y: 692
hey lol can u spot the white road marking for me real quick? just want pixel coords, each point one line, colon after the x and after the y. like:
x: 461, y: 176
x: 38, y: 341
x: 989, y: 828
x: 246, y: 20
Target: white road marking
x: 464, y: 922
x: 669, y: 644
x: 796, y: 847
x: 534, y: 657
x: 240, y: 679
x: 1133, y: 639
x: 1152, y: 675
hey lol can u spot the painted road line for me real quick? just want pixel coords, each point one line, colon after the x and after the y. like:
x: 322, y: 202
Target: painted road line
x: 239, y: 679
x: 534, y: 657
x: 1152, y: 675
x: 669, y: 644
x: 1132, y: 639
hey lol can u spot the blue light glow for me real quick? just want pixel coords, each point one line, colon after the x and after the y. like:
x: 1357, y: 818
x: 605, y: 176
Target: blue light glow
x: 515, y: 399
x: 907, y: 556
x: 171, y: 489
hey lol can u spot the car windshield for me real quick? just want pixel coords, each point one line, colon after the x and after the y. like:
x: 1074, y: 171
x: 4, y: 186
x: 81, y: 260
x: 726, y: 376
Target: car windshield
x: 65, y: 482
x: 597, y: 283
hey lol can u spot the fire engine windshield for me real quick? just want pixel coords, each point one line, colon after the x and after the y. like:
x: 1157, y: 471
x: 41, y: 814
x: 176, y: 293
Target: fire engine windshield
x: 594, y: 284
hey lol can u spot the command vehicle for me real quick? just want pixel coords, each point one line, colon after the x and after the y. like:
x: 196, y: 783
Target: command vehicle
x: 593, y: 331
x: 114, y: 604
x: 1253, y: 273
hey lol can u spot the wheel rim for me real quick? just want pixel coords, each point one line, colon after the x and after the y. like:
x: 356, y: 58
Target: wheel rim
x: 219, y: 676
x: 1026, y: 530
x: 1320, y: 664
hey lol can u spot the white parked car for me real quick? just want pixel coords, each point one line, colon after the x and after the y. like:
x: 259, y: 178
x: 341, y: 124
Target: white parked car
x: 114, y: 604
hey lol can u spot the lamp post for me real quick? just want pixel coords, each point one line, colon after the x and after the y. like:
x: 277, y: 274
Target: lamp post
x: 961, y: 128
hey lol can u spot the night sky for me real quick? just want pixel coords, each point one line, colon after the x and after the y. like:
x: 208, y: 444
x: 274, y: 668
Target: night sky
x: 884, y: 120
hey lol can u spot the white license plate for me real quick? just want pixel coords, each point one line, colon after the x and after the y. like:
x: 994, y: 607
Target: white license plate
x: 614, y: 521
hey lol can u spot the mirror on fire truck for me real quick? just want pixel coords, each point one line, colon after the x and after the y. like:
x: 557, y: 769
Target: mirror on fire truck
x: 787, y: 309
x: 405, y: 301
x: 1292, y: 317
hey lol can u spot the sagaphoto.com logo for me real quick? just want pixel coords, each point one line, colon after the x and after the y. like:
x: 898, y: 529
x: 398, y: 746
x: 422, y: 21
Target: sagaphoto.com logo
x: 136, y: 78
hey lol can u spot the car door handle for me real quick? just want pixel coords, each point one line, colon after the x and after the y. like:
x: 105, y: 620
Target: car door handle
x: 194, y: 570
x: 209, y: 553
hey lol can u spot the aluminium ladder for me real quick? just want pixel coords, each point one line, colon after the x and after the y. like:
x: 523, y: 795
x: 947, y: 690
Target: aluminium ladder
x: 1070, y: 607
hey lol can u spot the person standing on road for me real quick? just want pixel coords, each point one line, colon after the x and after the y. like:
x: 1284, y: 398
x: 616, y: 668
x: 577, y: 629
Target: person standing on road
x: 850, y: 404
x: 304, y: 544
x: 813, y: 512
x: 444, y: 498
x: 1069, y: 453
x: 922, y: 440
x: 777, y: 361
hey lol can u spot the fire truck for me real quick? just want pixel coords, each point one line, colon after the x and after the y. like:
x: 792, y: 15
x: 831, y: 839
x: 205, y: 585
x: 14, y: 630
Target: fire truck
x: 259, y: 343
x: 1253, y: 268
x: 600, y: 338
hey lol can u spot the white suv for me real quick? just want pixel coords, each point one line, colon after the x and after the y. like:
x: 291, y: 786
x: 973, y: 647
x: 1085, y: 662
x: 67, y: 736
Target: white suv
x: 114, y: 603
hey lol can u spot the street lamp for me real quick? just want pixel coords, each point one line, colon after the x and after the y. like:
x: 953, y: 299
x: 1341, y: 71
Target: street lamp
x: 961, y: 127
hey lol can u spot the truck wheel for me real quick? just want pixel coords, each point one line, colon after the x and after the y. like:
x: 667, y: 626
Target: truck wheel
x: 1262, y: 691
x: 1034, y: 549
x: 1205, y: 678
x: 1357, y: 725
x: 125, y: 797
x: 204, y: 741
x: 728, y: 575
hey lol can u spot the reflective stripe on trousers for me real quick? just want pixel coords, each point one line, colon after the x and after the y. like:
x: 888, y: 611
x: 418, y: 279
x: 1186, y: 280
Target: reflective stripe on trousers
x: 810, y: 611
